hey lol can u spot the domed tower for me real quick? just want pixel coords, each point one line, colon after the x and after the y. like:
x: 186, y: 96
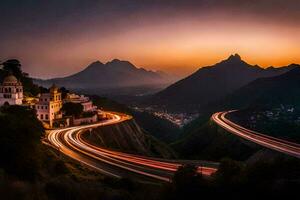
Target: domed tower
x: 11, y: 91
x: 53, y: 89
x: 55, y: 93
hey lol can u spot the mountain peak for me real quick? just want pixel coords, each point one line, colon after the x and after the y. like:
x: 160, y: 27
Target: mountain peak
x: 235, y: 57
x: 95, y: 64
x: 118, y: 62
x: 115, y: 60
x: 121, y: 64
x: 233, y: 61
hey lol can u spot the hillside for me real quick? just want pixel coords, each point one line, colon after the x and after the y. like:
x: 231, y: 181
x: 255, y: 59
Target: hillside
x: 269, y: 92
x: 159, y: 128
x: 128, y: 137
x: 110, y: 76
x: 211, y: 83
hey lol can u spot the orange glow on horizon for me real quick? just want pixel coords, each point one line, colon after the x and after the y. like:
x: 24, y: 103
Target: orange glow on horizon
x: 178, y: 47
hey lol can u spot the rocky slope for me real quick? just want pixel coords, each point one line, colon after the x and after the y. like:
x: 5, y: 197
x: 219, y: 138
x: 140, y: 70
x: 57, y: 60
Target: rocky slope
x: 128, y: 137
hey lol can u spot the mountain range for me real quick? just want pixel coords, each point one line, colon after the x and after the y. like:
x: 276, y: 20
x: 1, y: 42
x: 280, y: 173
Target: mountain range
x: 111, y: 75
x: 212, y: 83
x: 206, y: 87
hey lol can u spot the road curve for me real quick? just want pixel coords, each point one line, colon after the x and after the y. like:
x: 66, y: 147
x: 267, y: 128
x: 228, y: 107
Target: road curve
x: 276, y: 144
x: 70, y: 142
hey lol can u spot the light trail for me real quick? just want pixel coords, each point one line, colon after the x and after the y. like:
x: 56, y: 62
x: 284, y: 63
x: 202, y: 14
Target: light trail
x: 113, y: 163
x: 276, y: 144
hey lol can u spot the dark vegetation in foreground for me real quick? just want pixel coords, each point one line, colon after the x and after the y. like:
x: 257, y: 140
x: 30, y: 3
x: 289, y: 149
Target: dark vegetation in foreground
x: 20, y: 136
x: 276, y: 177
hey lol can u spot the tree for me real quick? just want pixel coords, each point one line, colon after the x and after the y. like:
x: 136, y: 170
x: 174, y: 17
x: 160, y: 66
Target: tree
x: 43, y: 89
x: 229, y: 170
x: 74, y: 109
x: 14, y: 66
x: 64, y: 92
x: 184, y: 175
x: 187, y: 183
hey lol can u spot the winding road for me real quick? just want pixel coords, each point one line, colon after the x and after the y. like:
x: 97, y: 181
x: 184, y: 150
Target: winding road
x: 276, y: 144
x: 70, y: 142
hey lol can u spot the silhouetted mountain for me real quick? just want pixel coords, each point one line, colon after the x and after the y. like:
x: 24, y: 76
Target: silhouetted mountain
x: 113, y: 74
x: 271, y: 91
x: 211, y: 83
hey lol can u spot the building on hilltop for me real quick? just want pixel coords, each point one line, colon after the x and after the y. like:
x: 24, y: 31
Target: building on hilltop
x: 49, y: 106
x: 11, y: 91
x: 90, y: 112
x: 83, y: 100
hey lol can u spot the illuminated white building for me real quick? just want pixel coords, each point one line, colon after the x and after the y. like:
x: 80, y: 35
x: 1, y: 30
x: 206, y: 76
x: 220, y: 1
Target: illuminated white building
x: 83, y: 100
x: 88, y: 107
x: 49, y: 106
x: 11, y: 91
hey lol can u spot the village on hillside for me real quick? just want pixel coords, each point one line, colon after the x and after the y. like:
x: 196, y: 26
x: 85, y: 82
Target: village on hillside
x: 53, y: 107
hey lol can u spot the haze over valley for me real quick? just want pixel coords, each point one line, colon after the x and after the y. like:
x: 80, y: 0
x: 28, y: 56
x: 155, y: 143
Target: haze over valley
x: 113, y: 77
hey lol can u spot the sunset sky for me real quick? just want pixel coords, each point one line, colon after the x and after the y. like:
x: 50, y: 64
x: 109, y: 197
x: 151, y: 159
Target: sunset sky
x: 62, y: 37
